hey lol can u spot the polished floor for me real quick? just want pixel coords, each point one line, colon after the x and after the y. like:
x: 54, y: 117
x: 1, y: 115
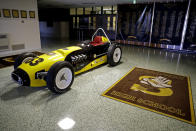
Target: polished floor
x: 83, y: 108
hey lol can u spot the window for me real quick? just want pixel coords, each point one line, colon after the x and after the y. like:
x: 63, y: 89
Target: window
x: 88, y: 11
x: 114, y: 23
x: 94, y: 22
x: 79, y: 11
x: 108, y: 23
x: 74, y: 22
x: 107, y: 10
x: 78, y: 22
x: 115, y: 9
x: 72, y: 11
x: 89, y: 19
x: 97, y: 10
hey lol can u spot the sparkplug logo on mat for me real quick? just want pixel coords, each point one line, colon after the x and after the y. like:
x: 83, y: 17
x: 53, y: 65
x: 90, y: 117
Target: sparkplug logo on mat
x: 160, y: 92
x: 158, y: 86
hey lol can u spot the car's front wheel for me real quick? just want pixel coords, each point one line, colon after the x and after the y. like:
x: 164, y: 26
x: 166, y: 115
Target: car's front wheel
x: 60, y: 77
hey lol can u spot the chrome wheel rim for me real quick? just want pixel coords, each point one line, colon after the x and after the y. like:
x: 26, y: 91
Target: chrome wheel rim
x: 117, y: 55
x: 63, y: 78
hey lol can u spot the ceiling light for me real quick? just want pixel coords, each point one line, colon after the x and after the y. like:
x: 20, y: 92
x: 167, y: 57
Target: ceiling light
x: 134, y: 1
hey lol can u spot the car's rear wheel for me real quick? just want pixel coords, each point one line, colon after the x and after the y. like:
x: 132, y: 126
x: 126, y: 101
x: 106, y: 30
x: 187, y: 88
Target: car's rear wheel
x: 60, y: 77
x: 114, y: 54
x: 22, y: 58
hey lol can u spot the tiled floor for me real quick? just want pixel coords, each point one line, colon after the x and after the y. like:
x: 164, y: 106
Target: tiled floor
x: 83, y: 108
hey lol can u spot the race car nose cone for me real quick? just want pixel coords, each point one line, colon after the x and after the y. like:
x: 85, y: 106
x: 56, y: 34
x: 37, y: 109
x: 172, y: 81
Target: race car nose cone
x: 21, y: 77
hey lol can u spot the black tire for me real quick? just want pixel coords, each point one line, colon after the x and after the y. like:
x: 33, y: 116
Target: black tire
x: 55, y: 72
x: 114, y: 60
x: 19, y: 59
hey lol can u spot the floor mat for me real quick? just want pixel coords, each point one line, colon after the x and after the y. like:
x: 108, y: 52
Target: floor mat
x: 9, y: 60
x: 163, y: 93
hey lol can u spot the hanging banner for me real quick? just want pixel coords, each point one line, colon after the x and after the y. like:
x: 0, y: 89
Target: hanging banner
x: 134, y: 22
x: 168, y: 23
x: 190, y: 38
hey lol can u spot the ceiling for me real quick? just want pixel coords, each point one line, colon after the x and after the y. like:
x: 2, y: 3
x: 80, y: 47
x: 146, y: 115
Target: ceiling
x: 89, y: 3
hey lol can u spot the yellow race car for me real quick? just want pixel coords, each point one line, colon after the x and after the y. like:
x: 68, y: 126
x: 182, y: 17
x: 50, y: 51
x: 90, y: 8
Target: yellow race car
x: 57, y: 69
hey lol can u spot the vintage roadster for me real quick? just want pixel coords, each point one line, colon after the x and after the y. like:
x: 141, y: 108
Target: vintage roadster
x: 57, y: 69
